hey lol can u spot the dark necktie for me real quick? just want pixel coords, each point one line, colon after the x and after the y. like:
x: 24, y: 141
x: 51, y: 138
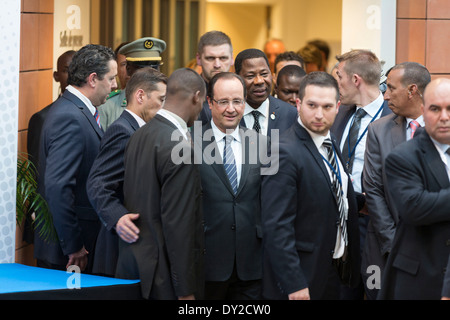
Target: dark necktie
x: 350, y: 143
x: 337, y: 187
x: 256, y: 125
x: 229, y: 162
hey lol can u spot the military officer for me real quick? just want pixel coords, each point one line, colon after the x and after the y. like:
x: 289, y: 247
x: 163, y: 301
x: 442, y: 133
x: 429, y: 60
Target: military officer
x: 140, y: 53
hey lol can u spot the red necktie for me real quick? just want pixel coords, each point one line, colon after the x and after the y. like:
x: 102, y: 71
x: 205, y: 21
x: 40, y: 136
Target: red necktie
x: 414, y: 125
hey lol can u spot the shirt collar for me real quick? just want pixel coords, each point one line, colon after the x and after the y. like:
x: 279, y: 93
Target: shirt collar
x: 419, y: 120
x: 82, y: 97
x: 219, y: 135
x: 138, y: 119
x: 316, y: 138
x: 373, y: 107
x: 263, y: 108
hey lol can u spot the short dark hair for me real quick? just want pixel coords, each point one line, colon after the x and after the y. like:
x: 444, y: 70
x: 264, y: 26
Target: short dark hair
x: 224, y: 75
x: 288, y: 56
x: 146, y: 79
x: 213, y: 38
x: 291, y: 70
x: 185, y: 81
x: 92, y: 58
x: 414, y: 73
x: 248, y: 54
x: 320, y: 79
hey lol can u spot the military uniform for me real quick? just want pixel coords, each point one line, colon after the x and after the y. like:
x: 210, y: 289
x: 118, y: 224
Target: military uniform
x: 140, y: 53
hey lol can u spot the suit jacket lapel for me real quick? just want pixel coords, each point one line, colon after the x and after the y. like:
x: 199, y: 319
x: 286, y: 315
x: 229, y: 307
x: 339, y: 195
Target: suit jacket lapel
x: 433, y: 160
x: 84, y: 109
x: 273, y: 114
x: 133, y: 123
x: 211, y: 158
x: 308, y: 142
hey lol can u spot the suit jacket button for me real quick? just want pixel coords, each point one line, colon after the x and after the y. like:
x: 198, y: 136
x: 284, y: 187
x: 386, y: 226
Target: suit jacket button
x: 233, y: 227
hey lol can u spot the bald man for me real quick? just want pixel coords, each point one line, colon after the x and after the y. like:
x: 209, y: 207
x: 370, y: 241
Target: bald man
x: 418, y: 176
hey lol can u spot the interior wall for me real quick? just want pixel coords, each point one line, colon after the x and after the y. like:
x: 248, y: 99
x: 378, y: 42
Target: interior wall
x: 244, y: 23
x: 293, y: 21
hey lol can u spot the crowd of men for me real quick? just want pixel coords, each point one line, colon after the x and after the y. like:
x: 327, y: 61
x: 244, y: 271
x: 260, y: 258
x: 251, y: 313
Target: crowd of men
x: 259, y: 177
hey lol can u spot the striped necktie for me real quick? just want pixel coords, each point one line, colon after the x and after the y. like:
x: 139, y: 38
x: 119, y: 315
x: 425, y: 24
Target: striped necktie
x: 97, y: 117
x: 229, y: 162
x: 337, y: 187
x: 414, y: 125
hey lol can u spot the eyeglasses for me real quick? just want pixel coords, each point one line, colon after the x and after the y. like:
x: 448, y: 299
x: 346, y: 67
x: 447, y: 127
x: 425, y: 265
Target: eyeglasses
x: 225, y: 103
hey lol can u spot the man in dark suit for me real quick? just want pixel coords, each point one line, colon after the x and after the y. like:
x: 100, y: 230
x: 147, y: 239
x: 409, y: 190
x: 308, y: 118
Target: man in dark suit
x: 358, y: 75
x: 231, y: 195
x: 37, y: 120
x: 70, y: 142
x: 162, y: 183
x: 35, y: 128
x: 214, y: 55
x: 405, y: 84
x: 309, y: 211
x: 263, y: 112
x: 418, y: 174
x: 145, y: 94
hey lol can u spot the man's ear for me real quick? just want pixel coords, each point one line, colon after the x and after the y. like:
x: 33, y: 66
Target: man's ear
x: 92, y: 79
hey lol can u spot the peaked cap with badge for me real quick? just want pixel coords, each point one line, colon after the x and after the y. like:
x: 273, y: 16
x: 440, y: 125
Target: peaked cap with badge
x: 144, y: 51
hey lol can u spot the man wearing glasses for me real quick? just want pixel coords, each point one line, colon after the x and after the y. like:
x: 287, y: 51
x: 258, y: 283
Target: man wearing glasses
x: 231, y: 180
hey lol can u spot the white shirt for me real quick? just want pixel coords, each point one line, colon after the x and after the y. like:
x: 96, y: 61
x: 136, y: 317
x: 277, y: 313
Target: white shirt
x: 176, y: 120
x: 138, y: 119
x: 408, y: 128
x: 236, y: 146
x: 263, y: 117
x: 445, y: 157
x: 358, y: 162
x: 318, y: 142
x: 82, y: 97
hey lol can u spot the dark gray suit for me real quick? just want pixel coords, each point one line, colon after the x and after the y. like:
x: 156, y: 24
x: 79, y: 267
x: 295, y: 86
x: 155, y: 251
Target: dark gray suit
x: 383, y: 136
x: 232, y: 223
x: 420, y: 187
x: 105, y: 190
x: 168, y: 256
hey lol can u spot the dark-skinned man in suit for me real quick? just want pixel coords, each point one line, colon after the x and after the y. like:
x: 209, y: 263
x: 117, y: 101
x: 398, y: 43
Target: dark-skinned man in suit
x: 263, y: 112
x: 162, y: 184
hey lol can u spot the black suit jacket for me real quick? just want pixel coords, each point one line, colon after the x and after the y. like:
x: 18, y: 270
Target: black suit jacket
x: 232, y: 223
x: 281, y: 116
x: 299, y: 214
x: 34, y: 134
x: 69, y: 144
x: 105, y: 190
x: 420, y: 187
x: 168, y: 257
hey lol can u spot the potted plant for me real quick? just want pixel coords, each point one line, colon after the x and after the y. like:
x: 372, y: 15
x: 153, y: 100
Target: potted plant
x: 29, y: 203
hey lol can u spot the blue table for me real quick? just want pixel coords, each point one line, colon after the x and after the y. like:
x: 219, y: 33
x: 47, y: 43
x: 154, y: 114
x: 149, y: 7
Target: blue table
x: 19, y: 281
